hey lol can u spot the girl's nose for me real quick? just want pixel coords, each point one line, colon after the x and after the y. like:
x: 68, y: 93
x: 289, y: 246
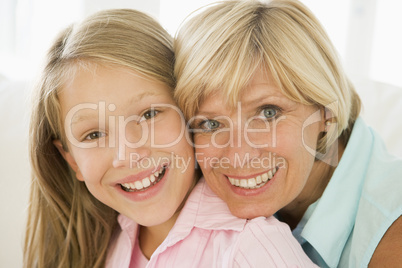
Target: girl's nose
x: 133, y: 145
x: 131, y: 157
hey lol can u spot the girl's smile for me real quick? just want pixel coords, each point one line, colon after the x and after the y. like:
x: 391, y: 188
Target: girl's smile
x: 130, y: 148
x: 135, y: 183
x: 139, y: 188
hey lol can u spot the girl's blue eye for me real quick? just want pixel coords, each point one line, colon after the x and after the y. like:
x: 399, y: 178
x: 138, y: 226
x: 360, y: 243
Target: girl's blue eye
x: 149, y: 114
x: 210, y: 125
x: 95, y: 135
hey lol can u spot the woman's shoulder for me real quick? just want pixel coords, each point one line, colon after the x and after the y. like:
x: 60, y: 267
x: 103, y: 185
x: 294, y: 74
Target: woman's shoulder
x: 379, y: 176
x: 382, y: 171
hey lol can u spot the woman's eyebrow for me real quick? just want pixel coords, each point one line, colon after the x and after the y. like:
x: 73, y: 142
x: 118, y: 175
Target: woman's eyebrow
x: 208, y: 114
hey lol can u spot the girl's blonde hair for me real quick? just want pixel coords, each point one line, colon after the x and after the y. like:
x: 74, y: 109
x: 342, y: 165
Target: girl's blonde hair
x: 67, y: 226
x: 222, y: 46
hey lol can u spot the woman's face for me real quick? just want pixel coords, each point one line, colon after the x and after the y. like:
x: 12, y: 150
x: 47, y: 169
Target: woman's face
x: 258, y: 156
x: 126, y: 140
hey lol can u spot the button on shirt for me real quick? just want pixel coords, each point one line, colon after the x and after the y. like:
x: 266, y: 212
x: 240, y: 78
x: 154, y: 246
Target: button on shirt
x: 361, y: 201
x: 206, y: 234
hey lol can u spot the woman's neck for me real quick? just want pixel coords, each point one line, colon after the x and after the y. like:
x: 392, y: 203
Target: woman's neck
x: 318, y: 180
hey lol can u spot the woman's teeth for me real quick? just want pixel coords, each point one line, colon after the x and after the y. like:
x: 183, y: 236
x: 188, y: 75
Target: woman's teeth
x: 144, y: 183
x: 254, y: 183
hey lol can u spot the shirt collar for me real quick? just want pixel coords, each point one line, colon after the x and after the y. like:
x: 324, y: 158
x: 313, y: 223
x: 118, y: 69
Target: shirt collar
x: 129, y: 227
x: 205, y: 210
x: 333, y: 218
x: 214, y: 214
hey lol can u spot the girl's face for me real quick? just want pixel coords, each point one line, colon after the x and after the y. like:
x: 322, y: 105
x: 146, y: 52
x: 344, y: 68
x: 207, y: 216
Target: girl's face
x: 258, y: 156
x: 127, y: 141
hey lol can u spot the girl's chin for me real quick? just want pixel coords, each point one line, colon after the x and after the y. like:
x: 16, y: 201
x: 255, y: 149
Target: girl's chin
x: 249, y: 212
x: 148, y: 222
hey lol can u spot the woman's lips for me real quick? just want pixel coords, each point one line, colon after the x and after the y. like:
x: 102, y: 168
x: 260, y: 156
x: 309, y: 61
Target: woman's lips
x: 253, y: 182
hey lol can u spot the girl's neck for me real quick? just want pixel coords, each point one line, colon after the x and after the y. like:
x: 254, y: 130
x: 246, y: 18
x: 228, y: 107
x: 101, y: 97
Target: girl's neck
x: 150, y: 237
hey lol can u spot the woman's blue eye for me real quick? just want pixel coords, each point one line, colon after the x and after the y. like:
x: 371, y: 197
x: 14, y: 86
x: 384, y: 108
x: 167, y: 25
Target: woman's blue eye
x: 269, y: 112
x: 210, y: 124
x: 95, y: 135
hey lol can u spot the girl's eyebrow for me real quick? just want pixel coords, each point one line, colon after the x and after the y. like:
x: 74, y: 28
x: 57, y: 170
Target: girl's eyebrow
x: 139, y: 97
x: 84, y: 117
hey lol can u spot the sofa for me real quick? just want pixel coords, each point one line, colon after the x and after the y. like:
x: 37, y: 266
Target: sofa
x: 382, y: 110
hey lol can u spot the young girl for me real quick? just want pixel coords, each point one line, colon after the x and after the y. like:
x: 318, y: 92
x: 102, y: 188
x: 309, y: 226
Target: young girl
x: 113, y: 166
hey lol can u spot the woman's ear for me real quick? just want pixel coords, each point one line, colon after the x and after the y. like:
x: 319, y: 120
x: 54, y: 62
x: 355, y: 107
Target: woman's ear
x: 326, y: 119
x: 329, y: 119
x: 69, y: 158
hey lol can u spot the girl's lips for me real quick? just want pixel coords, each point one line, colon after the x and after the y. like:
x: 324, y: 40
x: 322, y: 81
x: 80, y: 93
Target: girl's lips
x: 141, y: 175
x: 144, y: 184
x: 131, y: 192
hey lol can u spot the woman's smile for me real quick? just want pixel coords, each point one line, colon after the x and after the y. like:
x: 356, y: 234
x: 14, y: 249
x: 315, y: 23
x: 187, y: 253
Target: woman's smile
x: 267, y: 164
x: 253, y: 182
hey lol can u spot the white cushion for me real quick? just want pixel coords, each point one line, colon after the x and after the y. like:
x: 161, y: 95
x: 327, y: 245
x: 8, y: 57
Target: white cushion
x: 382, y: 109
x: 14, y: 170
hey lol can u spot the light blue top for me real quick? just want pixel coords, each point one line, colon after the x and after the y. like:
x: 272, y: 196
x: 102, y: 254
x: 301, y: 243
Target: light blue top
x: 361, y: 201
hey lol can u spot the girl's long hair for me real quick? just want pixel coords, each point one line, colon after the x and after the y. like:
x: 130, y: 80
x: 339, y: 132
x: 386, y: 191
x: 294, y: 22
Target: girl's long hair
x: 67, y: 226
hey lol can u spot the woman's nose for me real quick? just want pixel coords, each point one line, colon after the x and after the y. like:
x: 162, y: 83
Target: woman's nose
x: 239, y: 149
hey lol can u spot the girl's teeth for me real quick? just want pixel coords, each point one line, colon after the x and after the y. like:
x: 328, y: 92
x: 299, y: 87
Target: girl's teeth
x: 138, y: 185
x: 253, y: 183
x: 144, y: 183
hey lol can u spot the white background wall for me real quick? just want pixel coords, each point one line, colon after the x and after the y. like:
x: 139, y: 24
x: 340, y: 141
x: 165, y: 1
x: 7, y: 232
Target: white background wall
x: 365, y: 32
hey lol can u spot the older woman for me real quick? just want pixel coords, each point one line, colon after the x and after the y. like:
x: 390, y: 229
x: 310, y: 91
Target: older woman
x: 277, y: 131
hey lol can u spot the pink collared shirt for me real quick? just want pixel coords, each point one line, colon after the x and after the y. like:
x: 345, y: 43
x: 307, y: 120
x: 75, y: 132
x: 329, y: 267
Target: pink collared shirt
x: 206, y: 234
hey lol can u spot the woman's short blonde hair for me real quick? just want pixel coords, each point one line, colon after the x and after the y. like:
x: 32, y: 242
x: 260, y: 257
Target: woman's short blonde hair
x: 67, y: 226
x: 221, y: 47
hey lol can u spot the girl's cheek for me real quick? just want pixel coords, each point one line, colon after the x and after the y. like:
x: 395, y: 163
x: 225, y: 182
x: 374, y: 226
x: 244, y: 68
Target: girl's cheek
x: 167, y: 135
